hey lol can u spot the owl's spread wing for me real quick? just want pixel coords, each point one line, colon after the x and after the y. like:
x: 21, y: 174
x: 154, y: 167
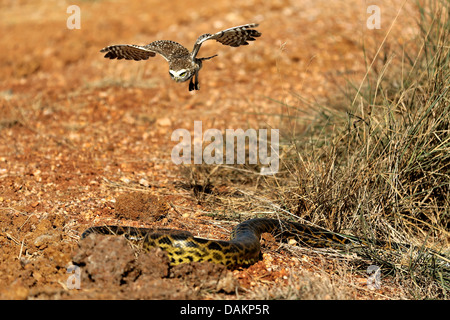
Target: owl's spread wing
x: 128, y: 52
x: 235, y: 37
x: 166, y: 48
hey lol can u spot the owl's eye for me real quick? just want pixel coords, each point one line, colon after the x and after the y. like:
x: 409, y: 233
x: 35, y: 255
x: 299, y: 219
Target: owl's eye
x: 183, y: 74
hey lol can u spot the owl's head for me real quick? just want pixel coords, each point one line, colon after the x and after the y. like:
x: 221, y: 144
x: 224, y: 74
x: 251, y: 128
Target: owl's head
x: 181, y: 75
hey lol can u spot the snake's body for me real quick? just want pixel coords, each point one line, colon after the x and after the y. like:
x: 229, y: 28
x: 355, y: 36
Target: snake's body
x: 243, y: 248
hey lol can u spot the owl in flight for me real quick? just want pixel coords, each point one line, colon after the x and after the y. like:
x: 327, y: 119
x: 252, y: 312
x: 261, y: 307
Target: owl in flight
x: 183, y: 65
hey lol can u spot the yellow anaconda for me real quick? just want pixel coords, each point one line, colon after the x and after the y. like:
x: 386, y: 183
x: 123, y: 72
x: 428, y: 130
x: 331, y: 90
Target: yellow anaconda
x: 242, y: 249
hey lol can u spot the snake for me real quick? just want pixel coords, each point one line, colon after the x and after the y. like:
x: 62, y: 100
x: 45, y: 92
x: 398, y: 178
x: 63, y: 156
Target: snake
x: 243, y: 248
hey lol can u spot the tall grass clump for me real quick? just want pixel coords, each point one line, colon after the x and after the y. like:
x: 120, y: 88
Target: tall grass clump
x: 378, y: 166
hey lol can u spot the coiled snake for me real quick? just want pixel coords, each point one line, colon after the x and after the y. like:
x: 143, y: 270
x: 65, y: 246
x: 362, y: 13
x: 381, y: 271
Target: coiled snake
x: 242, y: 249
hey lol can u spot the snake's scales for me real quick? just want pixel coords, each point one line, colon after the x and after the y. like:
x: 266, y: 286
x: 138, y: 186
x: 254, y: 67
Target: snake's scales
x: 242, y: 249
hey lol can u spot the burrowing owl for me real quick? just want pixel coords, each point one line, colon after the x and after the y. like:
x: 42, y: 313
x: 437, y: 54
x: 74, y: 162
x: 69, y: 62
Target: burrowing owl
x: 183, y: 65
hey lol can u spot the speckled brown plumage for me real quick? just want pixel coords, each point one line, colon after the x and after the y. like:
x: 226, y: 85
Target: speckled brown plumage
x: 183, y: 65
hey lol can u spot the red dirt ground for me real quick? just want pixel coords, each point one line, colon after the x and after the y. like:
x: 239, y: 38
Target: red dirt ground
x: 86, y: 141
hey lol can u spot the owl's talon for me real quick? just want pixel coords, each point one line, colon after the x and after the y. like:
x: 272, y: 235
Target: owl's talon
x: 192, y: 86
